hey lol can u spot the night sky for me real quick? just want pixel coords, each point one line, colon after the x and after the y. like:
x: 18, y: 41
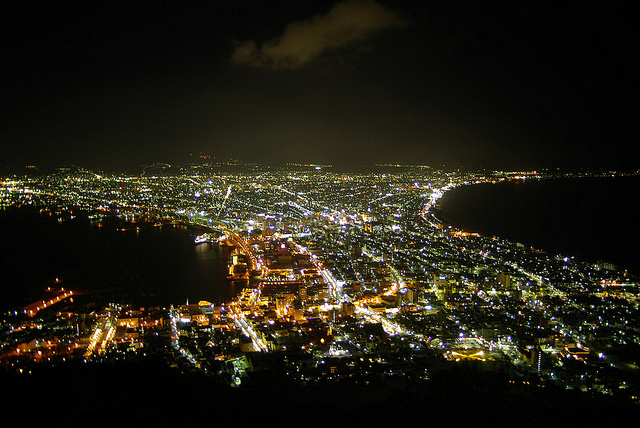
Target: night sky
x: 476, y: 84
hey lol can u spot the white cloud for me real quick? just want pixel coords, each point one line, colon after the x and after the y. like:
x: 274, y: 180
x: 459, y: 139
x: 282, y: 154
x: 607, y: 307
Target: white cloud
x: 303, y: 41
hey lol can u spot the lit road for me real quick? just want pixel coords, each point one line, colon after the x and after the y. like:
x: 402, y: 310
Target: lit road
x: 336, y: 291
x: 389, y: 327
x: 173, y: 316
x: 335, y: 286
x: 32, y: 309
x: 254, y: 263
x: 101, y: 337
x: 240, y: 322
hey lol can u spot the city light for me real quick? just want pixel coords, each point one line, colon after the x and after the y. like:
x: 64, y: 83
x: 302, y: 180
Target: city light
x: 345, y: 266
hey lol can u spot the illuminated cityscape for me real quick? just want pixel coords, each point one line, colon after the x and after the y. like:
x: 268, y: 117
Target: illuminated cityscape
x: 220, y: 213
x: 346, y: 278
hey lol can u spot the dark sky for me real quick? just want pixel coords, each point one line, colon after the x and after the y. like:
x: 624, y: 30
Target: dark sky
x: 480, y: 84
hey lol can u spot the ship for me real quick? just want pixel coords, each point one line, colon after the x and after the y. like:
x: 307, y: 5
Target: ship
x: 204, y: 238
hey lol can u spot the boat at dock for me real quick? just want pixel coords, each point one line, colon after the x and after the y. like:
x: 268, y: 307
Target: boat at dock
x: 204, y: 238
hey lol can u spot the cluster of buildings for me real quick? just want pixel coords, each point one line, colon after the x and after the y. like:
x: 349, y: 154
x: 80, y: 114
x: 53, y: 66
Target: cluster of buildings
x: 347, y: 277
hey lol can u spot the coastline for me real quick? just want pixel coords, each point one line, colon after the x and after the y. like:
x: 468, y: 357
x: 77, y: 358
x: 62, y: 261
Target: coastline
x: 545, y: 214
x: 140, y: 262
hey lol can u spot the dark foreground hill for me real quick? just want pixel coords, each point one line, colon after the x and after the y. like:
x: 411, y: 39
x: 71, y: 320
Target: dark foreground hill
x: 148, y: 395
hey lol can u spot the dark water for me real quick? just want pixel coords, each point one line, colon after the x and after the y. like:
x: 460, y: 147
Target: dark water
x: 149, y: 266
x: 592, y: 219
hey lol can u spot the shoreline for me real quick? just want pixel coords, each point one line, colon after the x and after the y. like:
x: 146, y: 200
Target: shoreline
x: 107, y: 261
x: 587, y: 255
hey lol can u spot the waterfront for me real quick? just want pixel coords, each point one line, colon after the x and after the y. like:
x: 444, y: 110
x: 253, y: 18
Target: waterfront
x: 594, y: 219
x: 143, y: 264
x: 590, y: 218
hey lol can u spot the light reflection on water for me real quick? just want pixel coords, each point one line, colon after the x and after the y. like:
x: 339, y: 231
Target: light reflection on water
x: 145, y: 265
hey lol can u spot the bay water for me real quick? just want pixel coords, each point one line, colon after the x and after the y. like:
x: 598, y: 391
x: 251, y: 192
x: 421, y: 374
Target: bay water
x: 591, y: 219
x: 142, y: 264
